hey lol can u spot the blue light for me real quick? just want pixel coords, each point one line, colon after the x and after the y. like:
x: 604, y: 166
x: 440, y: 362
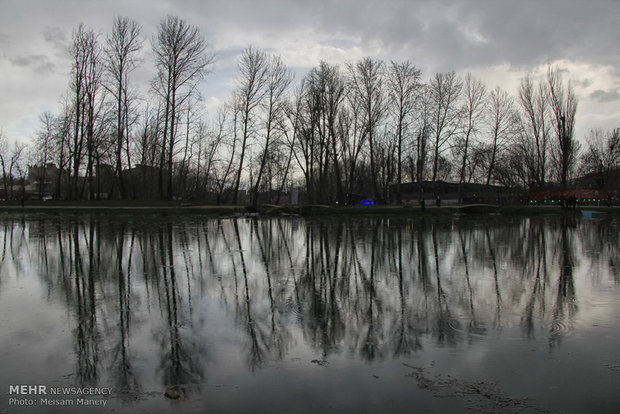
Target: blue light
x: 367, y: 202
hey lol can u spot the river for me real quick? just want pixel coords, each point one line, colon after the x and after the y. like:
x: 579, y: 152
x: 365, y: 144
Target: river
x: 243, y: 314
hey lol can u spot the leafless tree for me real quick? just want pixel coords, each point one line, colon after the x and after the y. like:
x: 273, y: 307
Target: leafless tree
x: 121, y: 48
x: 62, y: 150
x: 535, y: 130
x: 10, y: 159
x: 251, y: 90
x: 474, y: 95
x: 4, y: 157
x: 44, y: 144
x: 366, y: 85
x: 85, y: 84
x: 353, y: 136
x: 423, y: 125
x: 563, y: 102
x: 182, y: 61
x: 301, y: 116
x: 602, y: 155
x: 502, y: 123
x: 279, y: 78
x: 146, y: 145
x: 444, y: 93
x: 287, y: 147
x: 209, y: 161
x: 230, y: 141
x: 146, y: 152
x: 404, y: 87
x: 318, y: 110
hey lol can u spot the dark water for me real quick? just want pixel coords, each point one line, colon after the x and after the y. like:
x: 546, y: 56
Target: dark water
x: 197, y: 315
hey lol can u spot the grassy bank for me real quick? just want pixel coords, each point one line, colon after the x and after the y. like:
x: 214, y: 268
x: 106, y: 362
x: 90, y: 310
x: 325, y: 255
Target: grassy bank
x: 164, y: 207
x: 161, y: 207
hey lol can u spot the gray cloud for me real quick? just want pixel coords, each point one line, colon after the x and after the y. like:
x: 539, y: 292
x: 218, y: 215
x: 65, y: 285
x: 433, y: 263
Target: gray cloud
x: 40, y: 63
x: 605, y: 96
x: 54, y: 35
x: 584, y: 83
x: 481, y: 32
x: 27, y: 60
x: 437, y: 35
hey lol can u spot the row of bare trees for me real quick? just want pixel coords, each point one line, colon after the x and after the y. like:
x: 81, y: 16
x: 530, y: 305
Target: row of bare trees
x: 361, y: 129
x: 103, y: 127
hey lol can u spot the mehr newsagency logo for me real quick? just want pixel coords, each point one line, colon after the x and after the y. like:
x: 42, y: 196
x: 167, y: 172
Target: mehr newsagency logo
x: 42, y: 395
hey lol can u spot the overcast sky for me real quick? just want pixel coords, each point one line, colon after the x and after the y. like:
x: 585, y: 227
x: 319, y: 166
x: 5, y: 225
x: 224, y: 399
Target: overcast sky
x: 497, y: 41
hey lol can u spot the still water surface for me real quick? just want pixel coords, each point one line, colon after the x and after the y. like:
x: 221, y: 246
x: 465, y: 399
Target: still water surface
x: 196, y: 315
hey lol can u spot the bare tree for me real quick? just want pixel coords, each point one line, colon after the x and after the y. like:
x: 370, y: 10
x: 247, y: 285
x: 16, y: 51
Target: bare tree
x: 62, y: 148
x: 563, y: 102
x: 251, y: 90
x: 475, y: 93
x: 85, y: 83
x: 423, y: 130
x: 319, y: 109
x: 502, y: 122
x: 44, y: 142
x: 445, y: 91
x: 146, y: 151
x: 182, y: 61
x: 279, y: 79
x: 535, y: 129
x: 404, y: 85
x: 353, y: 136
x: 4, y: 157
x: 10, y: 159
x: 300, y: 116
x: 287, y: 145
x: 215, y: 139
x: 602, y: 155
x: 229, y: 141
x: 121, y: 49
x: 366, y: 83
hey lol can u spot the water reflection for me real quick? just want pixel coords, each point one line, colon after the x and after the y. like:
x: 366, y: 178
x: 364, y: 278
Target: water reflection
x: 141, y: 289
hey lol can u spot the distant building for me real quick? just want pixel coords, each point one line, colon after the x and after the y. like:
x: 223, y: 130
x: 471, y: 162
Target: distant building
x: 41, y: 180
x: 454, y: 193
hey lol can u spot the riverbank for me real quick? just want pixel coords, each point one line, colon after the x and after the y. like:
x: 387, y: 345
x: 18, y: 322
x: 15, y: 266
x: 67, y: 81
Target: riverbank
x: 163, y: 207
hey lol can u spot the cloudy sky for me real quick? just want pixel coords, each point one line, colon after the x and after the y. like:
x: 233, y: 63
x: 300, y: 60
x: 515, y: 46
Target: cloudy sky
x: 497, y: 41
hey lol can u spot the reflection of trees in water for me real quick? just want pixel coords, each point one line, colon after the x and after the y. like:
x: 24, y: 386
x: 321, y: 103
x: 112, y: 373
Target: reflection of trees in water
x: 475, y: 325
x: 259, y: 295
x: 279, y: 337
x: 181, y: 361
x: 87, y: 335
x: 565, y: 307
x: 14, y: 243
x: 498, y: 295
x: 371, y: 287
x: 405, y: 332
x: 371, y: 347
x: 7, y: 230
x: 256, y: 334
x: 535, y: 303
x: 447, y: 325
x: 126, y: 381
x: 600, y: 240
x: 317, y: 304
